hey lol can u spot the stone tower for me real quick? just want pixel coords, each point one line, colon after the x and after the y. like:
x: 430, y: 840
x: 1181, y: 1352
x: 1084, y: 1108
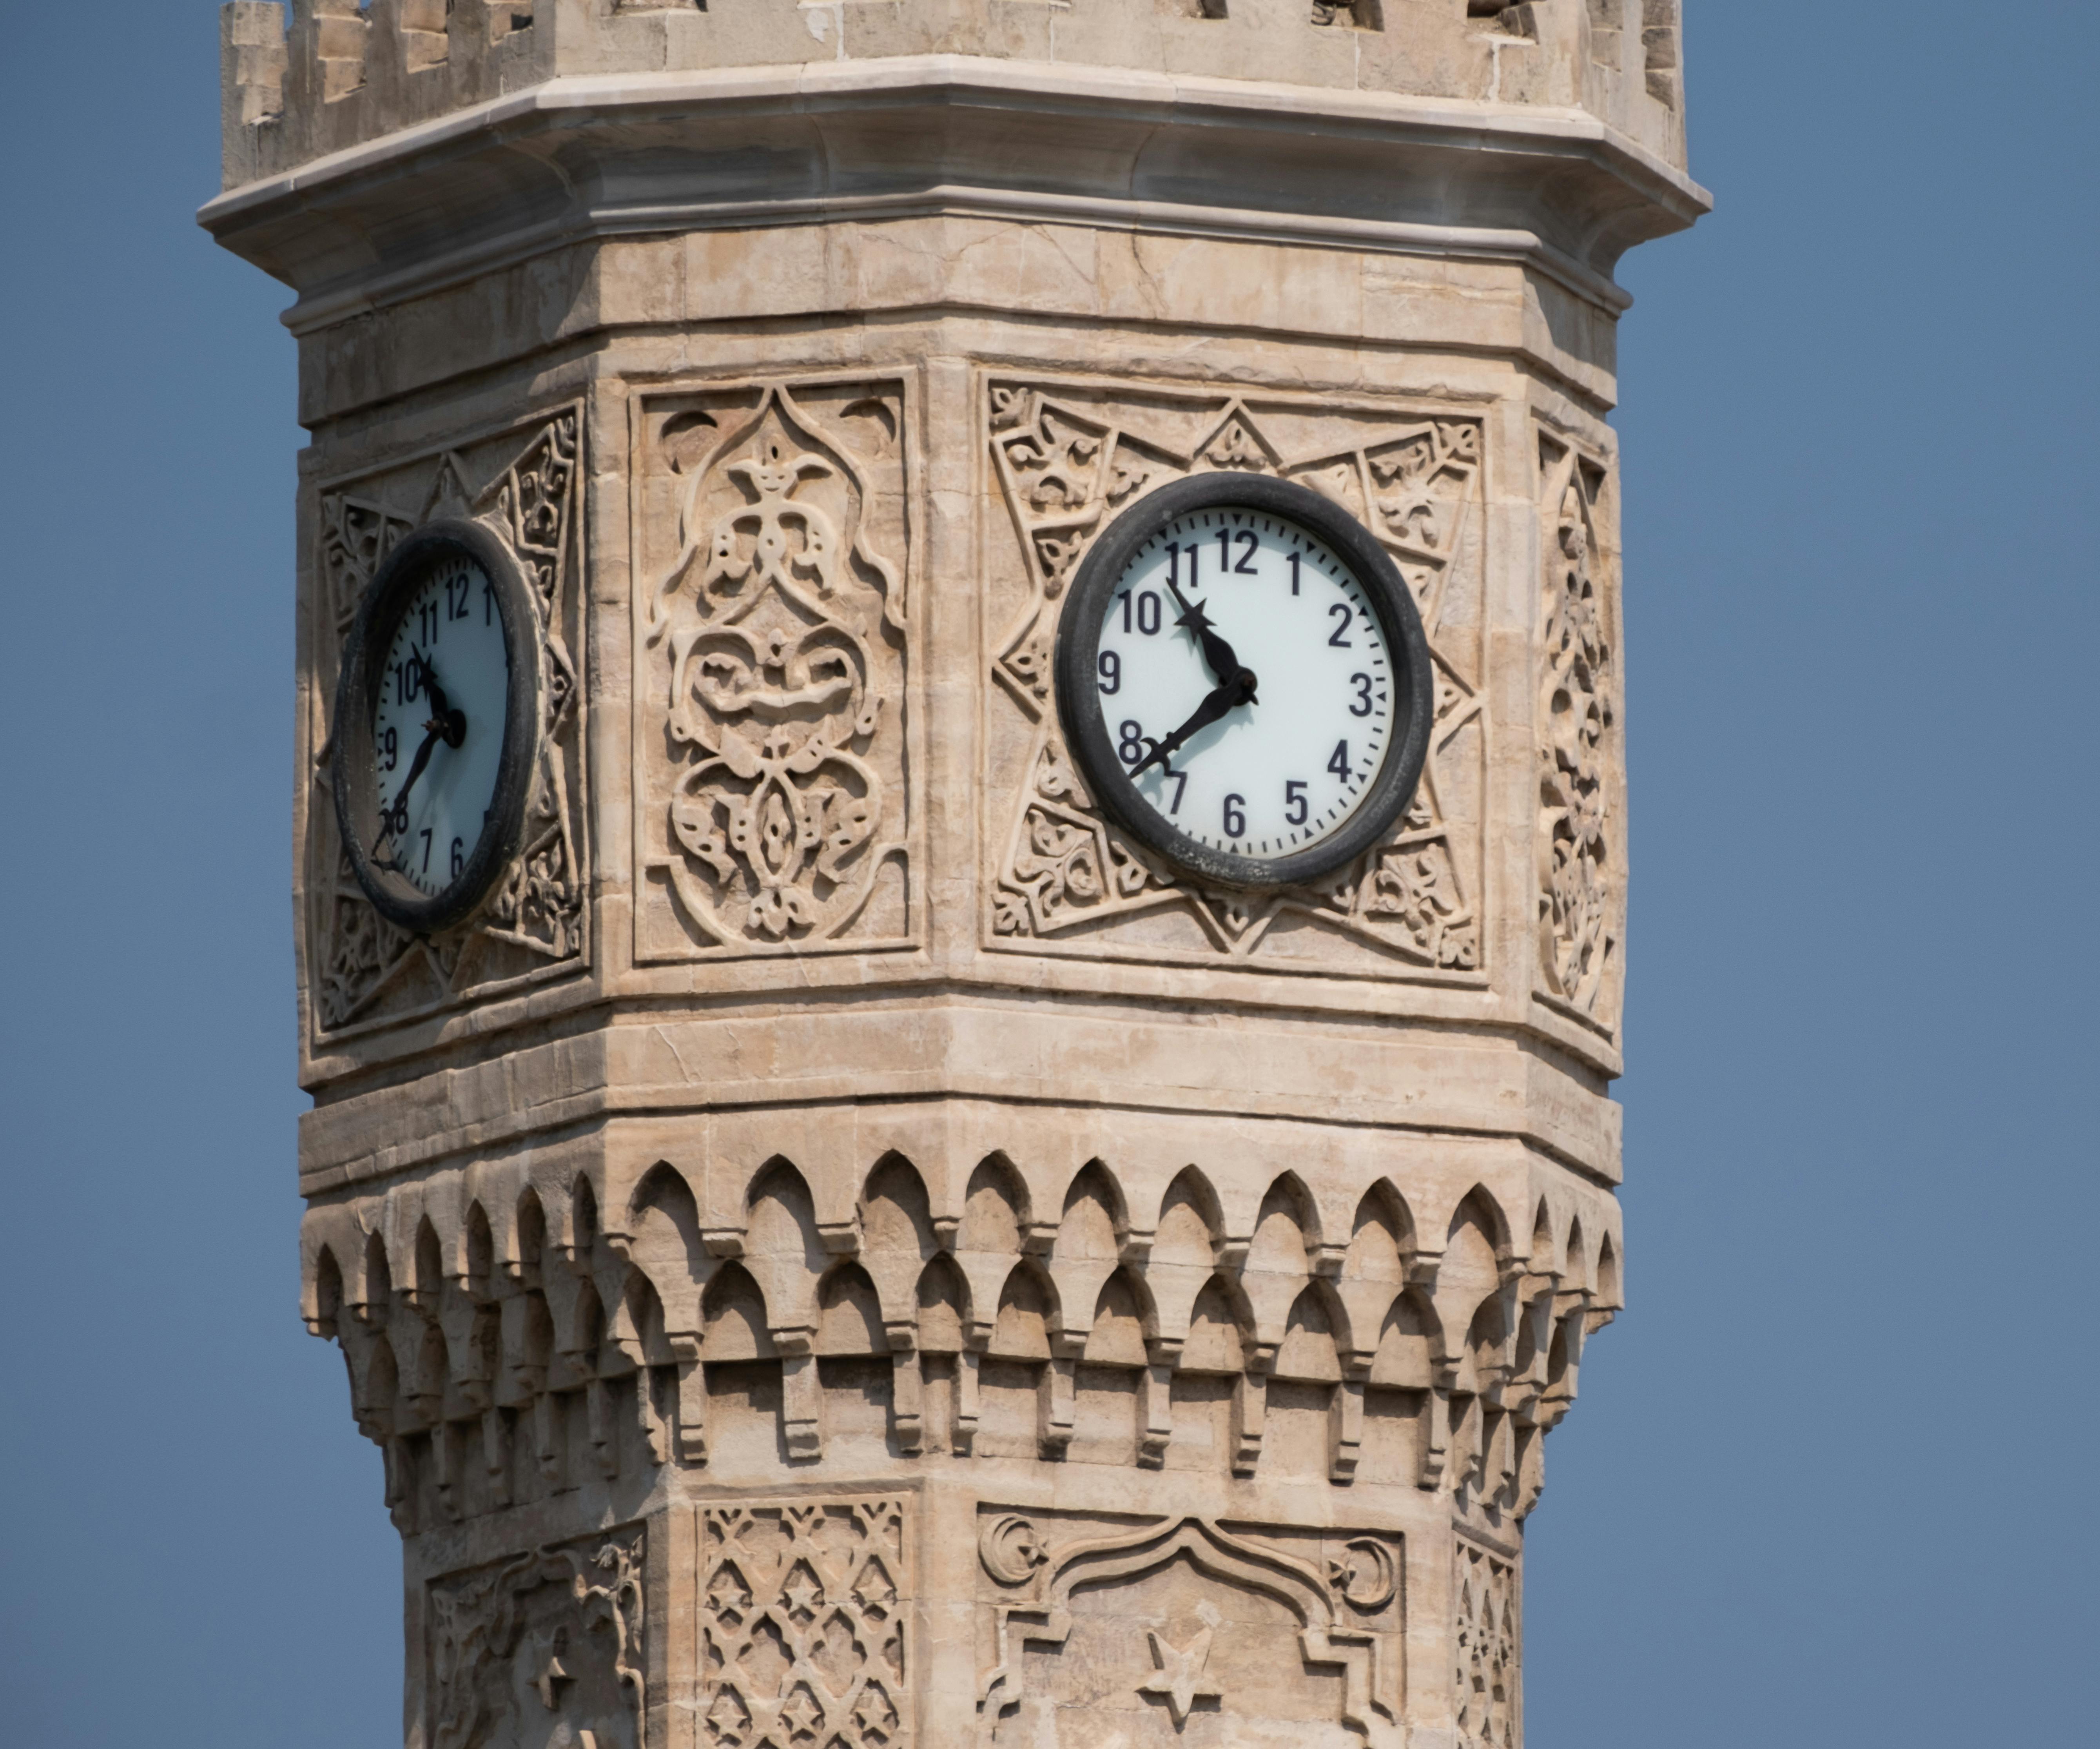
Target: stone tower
x: 842, y: 1248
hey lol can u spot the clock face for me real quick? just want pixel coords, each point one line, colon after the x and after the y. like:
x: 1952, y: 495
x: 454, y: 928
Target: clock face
x: 1243, y: 679
x: 436, y: 723
x: 437, y: 731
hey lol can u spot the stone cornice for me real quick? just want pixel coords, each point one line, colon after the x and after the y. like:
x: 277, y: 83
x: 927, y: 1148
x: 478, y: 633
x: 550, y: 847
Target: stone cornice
x: 580, y: 157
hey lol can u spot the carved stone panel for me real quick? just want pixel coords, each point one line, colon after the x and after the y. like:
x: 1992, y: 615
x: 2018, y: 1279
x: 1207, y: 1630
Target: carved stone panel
x: 802, y: 1607
x: 1184, y: 1633
x: 1581, y: 889
x: 542, y: 1651
x: 1484, y: 1641
x: 1068, y: 457
x: 772, y: 772
x: 521, y: 482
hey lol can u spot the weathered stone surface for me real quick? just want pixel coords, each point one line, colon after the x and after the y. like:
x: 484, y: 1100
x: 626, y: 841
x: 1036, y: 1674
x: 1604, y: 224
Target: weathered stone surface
x: 930, y: 1275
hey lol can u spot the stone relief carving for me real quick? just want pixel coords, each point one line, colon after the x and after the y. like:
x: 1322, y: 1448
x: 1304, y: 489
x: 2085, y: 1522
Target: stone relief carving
x: 1579, y: 898
x: 544, y: 1651
x: 1069, y: 458
x: 802, y: 1608
x: 1141, y: 1329
x: 771, y: 765
x: 1484, y: 1641
x: 1164, y: 1630
x: 521, y: 482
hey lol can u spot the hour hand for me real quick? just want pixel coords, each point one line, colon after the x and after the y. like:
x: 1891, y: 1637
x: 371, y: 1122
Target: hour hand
x: 1217, y: 653
x: 444, y: 721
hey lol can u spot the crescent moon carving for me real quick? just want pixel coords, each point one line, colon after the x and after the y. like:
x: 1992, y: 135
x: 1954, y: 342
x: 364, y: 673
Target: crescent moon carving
x: 1365, y: 1574
x: 1011, y: 1549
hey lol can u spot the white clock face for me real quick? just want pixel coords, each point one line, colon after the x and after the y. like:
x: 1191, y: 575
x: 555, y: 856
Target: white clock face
x: 437, y: 731
x: 1243, y: 617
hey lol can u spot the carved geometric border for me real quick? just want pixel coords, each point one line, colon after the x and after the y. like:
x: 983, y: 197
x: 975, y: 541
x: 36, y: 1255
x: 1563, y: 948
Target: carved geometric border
x: 521, y: 478
x: 1068, y: 454
x: 1486, y: 1641
x: 803, y: 1608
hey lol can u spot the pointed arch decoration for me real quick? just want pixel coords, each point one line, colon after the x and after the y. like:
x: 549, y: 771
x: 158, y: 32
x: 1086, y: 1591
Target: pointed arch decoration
x: 1039, y: 1611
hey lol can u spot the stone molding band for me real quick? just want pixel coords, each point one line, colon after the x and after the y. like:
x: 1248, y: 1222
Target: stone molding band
x: 937, y: 134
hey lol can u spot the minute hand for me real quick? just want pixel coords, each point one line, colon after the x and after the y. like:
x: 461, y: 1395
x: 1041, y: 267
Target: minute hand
x: 1235, y: 693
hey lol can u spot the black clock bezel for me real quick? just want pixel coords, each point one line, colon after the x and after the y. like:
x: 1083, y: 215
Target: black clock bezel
x: 356, y: 774
x: 1086, y: 727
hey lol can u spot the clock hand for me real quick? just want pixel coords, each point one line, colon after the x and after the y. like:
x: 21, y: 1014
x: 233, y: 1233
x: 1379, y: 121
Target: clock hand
x: 1235, y: 693
x: 1223, y: 665
x: 447, y: 722
x: 399, y: 809
x: 447, y: 725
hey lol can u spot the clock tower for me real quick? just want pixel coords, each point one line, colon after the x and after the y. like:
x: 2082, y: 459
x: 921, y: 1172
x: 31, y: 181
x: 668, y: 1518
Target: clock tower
x: 960, y: 841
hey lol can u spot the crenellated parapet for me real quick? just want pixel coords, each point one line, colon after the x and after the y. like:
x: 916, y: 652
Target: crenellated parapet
x: 337, y: 74
x: 525, y: 1328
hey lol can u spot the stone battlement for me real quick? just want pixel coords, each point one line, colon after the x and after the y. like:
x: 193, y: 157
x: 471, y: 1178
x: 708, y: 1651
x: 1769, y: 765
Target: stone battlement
x: 345, y: 74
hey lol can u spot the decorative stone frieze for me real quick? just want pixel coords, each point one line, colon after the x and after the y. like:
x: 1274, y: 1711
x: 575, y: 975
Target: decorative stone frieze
x: 508, y: 1349
x: 772, y: 789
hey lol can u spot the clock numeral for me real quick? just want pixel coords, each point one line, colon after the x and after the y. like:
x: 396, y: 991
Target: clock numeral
x: 1295, y: 806
x: 426, y: 617
x: 1294, y: 560
x: 408, y: 680
x: 1235, y: 816
x: 459, y: 857
x: 488, y: 603
x: 1338, y: 638
x: 390, y: 749
x: 1339, y: 763
x: 1362, y: 684
x: 1180, y: 787
x: 1175, y: 549
x: 459, y: 594
x: 1149, y: 621
x: 1130, y: 742
x: 426, y: 837
x: 1246, y: 538
x: 1111, y: 671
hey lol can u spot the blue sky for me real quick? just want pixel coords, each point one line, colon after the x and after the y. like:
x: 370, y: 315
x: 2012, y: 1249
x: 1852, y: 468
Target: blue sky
x: 1828, y: 1480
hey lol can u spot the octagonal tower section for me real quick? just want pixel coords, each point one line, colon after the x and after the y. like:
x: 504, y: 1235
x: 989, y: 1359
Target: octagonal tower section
x: 844, y: 1247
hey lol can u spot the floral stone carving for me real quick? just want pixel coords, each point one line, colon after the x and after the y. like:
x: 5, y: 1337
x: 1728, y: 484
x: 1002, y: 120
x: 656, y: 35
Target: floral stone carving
x: 1068, y: 457
x: 1183, y: 1631
x: 1579, y: 898
x: 544, y: 1651
x: 521, y: 482
x: 802, y: 1607
x: 770, y: 777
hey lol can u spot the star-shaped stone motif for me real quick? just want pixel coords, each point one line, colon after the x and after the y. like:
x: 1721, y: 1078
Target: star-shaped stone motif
x: 801, y: 1715
x: 1179, y: 1678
